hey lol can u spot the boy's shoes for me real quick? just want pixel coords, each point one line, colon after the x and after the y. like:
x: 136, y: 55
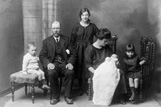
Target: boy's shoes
x: 68, y: 100
x: 45, y: 87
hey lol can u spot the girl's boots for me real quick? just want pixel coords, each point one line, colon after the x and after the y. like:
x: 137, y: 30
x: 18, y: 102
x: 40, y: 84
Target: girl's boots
x: 133, y: 96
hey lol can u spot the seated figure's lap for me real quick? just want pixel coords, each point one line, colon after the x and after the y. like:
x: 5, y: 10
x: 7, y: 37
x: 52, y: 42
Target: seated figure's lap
x: 62, y: 72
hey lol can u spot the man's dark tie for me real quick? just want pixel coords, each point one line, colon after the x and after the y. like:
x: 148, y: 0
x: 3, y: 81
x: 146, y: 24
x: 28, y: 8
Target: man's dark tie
x: 57, y: 40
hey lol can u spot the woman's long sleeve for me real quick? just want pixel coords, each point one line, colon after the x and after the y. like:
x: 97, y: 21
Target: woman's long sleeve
x: 89, y: 56
x: 73, y: 37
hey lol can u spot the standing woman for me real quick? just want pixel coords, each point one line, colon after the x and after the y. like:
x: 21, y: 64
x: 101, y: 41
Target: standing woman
x: 81, y: 36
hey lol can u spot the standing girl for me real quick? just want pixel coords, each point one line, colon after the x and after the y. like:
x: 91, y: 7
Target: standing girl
x: 81, y: 36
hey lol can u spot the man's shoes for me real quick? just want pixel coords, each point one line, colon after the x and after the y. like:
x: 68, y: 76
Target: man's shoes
x: 68, y: 100
x: 54, y: 101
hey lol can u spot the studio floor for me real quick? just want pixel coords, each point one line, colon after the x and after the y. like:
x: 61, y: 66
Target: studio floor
x: 22, y: 100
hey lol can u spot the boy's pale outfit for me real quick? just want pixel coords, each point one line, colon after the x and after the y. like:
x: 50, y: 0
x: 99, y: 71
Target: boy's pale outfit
x: 31, y: 66
x: 105, y: 80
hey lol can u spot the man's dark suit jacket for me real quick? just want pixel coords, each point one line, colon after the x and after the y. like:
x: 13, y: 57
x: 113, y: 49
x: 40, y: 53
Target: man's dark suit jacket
x: 47, y: 53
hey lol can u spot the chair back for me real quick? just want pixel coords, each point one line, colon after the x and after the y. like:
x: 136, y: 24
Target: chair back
x: 112, y: 43
x: 147, y: 51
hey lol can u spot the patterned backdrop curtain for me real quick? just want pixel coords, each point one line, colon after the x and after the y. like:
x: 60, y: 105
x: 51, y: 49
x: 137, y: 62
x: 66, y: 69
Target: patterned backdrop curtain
x: 37, y: 18
x: 49, y: 14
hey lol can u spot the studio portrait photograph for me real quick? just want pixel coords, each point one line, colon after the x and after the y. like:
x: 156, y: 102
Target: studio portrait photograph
x: 80, y: 53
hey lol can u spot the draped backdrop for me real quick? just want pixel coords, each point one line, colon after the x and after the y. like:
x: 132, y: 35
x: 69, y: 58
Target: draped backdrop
x: 37, y: 18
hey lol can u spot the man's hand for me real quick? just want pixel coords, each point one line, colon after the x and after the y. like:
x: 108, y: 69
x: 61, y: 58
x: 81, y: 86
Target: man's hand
x: 69, y: 66
x: 50, y: 66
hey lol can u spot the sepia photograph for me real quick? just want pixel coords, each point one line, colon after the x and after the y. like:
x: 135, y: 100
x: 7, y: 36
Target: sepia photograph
x: 80, y: 53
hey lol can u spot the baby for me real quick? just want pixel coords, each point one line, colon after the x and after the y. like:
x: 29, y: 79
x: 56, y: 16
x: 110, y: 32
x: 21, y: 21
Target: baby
x: 31, y: 65
x: 105, y: 80
x: 114, y: 58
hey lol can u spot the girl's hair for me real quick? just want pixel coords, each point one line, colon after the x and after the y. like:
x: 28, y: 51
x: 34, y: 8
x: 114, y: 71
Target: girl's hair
x: 103, y: 33
x: 129, y: 48
x: 31, y: 44
x: 82, y: 11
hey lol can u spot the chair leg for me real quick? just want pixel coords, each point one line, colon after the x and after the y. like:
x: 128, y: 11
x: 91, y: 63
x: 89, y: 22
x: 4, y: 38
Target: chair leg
x: 12, y: 87
x: 159, y: 88
x: 89, y: 89
x: 45, y: 92
x: 141, y: 87
x: 51, y: 94
x: 33, y: 92
x: 25, y: 88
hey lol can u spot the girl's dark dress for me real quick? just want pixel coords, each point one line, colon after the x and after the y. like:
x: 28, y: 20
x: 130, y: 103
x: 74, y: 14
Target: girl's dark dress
x: 95, y: 56
x: 81, y: 37
x: 132, y: 66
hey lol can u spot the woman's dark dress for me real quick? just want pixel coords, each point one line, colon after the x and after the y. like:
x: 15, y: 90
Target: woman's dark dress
x: 95, y: 56
x: 81, y: 37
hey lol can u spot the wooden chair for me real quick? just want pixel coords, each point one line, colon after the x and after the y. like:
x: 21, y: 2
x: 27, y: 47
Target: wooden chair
x: 112, y: 44
x: 147, y: 51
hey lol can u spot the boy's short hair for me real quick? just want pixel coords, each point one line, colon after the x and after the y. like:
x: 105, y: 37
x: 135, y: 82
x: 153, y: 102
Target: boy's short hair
x: 31, y: 44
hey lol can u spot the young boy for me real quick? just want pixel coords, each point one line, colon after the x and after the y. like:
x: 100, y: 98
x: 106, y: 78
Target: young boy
x: 31, y: 65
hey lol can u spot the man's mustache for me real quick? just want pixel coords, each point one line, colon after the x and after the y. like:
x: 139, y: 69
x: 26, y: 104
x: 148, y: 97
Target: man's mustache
x: 56, y: 33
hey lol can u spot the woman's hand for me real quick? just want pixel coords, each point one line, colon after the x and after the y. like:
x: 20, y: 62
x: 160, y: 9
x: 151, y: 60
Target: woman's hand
x: 91, y: 69
x: 117, y: 64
